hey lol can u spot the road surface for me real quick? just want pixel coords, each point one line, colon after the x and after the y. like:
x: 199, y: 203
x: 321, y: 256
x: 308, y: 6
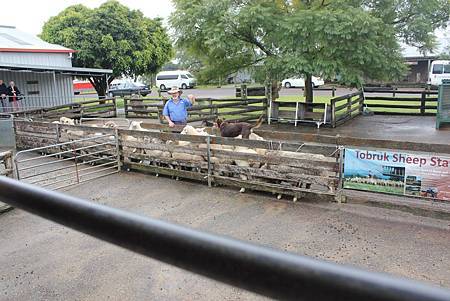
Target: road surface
x: 40, y: 260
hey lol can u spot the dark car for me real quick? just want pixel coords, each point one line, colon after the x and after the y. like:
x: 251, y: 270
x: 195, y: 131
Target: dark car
x: 128, y: 88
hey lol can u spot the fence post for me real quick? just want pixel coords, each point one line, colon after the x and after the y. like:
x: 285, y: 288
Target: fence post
x: 114, y: 106
x: 333, y: 91
x: 349, y: 106
x: 333, y: 113
x: 125, y: 106
x: 211, y: 109
x: 268, y: 104
x: 58, y: 136
x: 118, y: 145
x: 361, y: 102
x: 208, y: 143
x: 244, y: 92
x: 422, y: 102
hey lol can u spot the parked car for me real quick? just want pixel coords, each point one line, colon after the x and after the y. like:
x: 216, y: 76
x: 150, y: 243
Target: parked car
x: 299, y: 82
x: 123, y: 88
x: 439, y: 70
x: 182, y: 79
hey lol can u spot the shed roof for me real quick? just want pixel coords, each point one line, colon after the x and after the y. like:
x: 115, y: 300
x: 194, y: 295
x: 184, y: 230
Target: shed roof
x: 75, y: 71
x: 14, y: 40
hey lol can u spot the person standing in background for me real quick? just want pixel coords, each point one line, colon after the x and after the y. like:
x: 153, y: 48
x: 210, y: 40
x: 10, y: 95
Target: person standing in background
x: 3, y: 93
x: 175, y: 109
x: 14, y: 95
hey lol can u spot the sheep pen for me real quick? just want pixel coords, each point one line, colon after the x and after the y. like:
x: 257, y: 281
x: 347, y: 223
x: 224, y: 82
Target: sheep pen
x: 298, y: 170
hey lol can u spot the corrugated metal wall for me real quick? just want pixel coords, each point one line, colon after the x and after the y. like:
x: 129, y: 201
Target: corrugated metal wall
x: 39, y: 88
x: 37, y: 59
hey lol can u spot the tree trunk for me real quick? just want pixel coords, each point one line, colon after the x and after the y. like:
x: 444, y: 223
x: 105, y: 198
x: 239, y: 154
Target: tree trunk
x: 308, y: 88
x: 101, y: 85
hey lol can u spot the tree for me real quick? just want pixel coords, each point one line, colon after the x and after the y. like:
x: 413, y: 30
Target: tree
x: 354, y: 39
x: 111, y: 37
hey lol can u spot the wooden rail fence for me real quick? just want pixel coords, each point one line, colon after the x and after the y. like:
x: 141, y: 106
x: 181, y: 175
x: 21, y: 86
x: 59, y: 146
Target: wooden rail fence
x: 91, y: 108
x: 204, y: 109
x: 402, y: 102
x: 6, y: 169
x: 346, y: 107
x: 285, y: 168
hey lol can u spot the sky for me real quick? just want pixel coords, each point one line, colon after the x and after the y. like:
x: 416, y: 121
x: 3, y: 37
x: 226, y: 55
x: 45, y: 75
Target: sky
x: 33, y: 15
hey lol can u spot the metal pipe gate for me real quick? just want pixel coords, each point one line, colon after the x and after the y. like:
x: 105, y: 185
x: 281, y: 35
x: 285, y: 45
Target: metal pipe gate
x: 266, y: 271
x: 64, y: 164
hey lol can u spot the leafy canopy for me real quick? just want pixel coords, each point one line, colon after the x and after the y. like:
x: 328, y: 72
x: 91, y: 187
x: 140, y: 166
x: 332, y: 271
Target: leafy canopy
x: 112, y: 37
x: 350, y: 38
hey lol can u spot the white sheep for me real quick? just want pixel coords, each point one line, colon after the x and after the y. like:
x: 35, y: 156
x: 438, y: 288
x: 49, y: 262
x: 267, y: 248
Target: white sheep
x: 136, y: 125
x: 65, y: 120
x: 111, y: 124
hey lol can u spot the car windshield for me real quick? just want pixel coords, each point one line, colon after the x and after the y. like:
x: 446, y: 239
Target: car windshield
x: 189, y: 75
x: 438, y: 68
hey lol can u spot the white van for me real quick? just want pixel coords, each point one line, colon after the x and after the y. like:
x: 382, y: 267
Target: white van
x: 439, y: 70
x: 182, y: 79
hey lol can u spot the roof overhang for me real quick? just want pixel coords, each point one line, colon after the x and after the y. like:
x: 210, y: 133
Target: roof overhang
x: 421, y: 58
x: 35, y: 50
x: 73, y: 71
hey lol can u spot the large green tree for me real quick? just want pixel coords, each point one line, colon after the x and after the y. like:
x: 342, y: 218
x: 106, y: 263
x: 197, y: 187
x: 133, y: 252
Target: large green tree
x: 354, y: 39
x: 111, y: 37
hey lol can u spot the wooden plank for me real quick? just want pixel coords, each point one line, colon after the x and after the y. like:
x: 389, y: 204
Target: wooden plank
x: 33, y: 142
x: 393, y: 106
x: 398, y: 99
x: 267, y: 187
x: 94, y: 107
x: 166, y: 171
x: 36, y: 134
x: 276, y: 175
x: 387, y: 91
x: 93, y: 101
x: 50, y: 129
x: 6, y: 172
x: 344, y: 97
x: 274, y: 188
x: 275, y: 158
x: 189, y: 150
x: 324, y: 149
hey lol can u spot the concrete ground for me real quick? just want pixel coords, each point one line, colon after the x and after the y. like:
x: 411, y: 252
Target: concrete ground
x: 40, y: 260
x: 398, y: 128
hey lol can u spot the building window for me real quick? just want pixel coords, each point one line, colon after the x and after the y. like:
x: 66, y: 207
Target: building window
x: 32, y: 82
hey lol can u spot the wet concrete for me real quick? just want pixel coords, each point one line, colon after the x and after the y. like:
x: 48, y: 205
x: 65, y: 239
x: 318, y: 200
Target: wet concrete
x: 40, y: 260
x: 398, y: 128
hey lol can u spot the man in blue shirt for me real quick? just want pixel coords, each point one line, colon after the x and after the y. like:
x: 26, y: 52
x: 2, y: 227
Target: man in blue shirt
x: 175, y: 109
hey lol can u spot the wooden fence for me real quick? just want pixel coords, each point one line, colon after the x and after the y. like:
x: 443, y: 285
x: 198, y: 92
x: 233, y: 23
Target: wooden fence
x: 294, y: 169
x: 346, y: 107
x: 204, y: 109
x: 299, y: 112
x: 6, y: 164
x: 336, y: 112
x: 401, y: 102
x: 89, y: 109
x: 6, y: 169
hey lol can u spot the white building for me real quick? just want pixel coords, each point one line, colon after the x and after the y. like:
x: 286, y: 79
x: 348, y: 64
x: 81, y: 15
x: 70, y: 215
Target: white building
x: 42, y: 71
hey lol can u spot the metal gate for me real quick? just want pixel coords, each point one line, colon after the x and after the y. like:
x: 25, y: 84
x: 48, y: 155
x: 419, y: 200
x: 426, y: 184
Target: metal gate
x: 64, y: 164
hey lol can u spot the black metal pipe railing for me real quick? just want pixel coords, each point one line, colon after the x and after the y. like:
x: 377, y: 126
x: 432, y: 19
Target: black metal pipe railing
x: 262, y: 270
